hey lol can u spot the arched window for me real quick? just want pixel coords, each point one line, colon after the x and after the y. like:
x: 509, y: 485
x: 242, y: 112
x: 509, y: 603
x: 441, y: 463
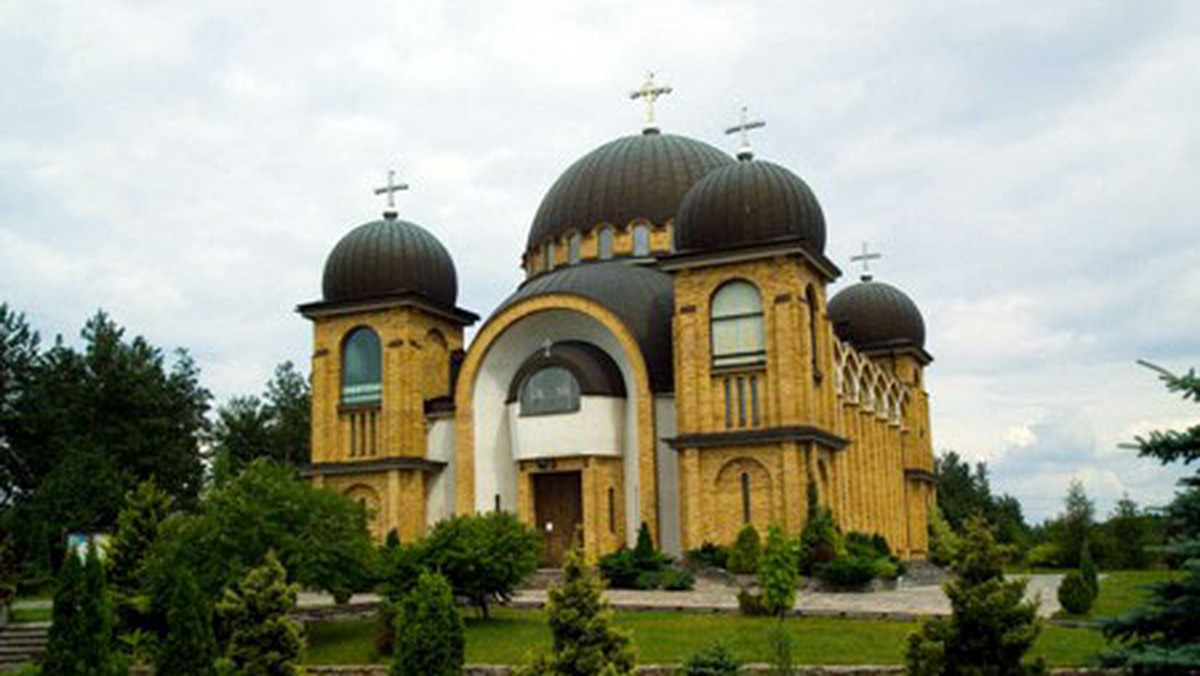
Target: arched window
x: 811, y: 297
x: 745, y: 497
x: 549, y: 256
x: 641, y: 241
x: 362, y: 360
x: 606, y: 243
x: 738, y: 338
x: 573, y: 246
x: 550, y: 390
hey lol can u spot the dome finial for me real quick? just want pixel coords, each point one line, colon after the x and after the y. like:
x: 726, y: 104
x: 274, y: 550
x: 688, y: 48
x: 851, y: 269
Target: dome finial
x: 650, y: 91
x: 865, y: 258
x: 390, y: 190
x: 745, y: 153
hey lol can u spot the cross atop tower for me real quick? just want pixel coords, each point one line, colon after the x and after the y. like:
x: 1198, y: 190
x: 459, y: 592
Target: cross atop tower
x: 865, y: 258
x: 744, y: 127
x: 390, y: 190
x: 650, y: 91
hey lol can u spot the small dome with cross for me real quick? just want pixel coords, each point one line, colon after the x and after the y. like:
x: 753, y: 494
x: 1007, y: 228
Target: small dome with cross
x: 872, y: 315
x: 387, y: 258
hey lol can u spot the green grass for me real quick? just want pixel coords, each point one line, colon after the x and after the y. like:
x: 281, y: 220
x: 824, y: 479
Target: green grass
x: 665, y: 637
x: 1122, y: 590
x: 30, y: 615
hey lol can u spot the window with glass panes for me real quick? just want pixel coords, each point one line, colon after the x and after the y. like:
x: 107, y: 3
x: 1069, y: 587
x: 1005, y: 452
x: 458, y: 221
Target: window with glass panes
x: 552, y: 389
x: 738, y: 337
x: 362, y: 382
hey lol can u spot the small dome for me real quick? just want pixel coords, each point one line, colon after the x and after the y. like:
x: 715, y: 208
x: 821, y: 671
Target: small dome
x: 390, y: 257
x: 749, y: 202
x: 643, y: 176
x: 872, y: 315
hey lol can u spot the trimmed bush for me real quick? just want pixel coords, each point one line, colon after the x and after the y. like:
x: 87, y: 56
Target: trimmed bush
x: 261, y: 638
x: 620, y: 570
x: 189, y: 648
x: 1075, y: 594
x: 483, y: 556
x: 743, y: 558
x: 778, y: 572
x: 751, y: 603
x: 849, y: 572
x: 430, y: 637
x: 81, y: 629
x: 677, y: 579
x: 712, y: 660
x: 709, y: 554
x: 821, y: 540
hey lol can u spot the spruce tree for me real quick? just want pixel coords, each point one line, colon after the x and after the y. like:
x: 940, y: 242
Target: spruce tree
x: 189, y: 648
x: 991, y: 626
x: 1163, y: 636
x: 81, y: 630
x: 97, y: 619
x: 66, y: 623
x: 430, y: 638
x: 137, y: 529
x: 585, y: 642
x: 261, y: 639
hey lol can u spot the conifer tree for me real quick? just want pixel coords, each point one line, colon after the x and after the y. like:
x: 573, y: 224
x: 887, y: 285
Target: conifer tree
x: 585, y: 642
x: 261, y: 639
x: 1163, y: 637
x: 81, y: 630
x: 66, y: 624
x: 430, y: 638
x: 991, y: 626
x: 189, y: 648
x: 779, y: 571
x: 137, y: 529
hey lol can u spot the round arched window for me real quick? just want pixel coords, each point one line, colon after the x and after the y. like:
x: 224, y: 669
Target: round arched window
x: 552, y: 389
x: 738, y: 338
x: 606, y: 243
x: 641, y: 241
x: 362, y: 361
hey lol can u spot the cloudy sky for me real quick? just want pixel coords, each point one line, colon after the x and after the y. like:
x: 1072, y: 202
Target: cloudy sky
x: 1031, y: 172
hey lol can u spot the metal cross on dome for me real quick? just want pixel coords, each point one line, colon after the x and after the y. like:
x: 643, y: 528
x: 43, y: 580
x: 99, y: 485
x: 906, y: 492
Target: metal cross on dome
x: 650, y: 91
x: 865, y: 258
x: 390, y: 190
x: 746, y: 124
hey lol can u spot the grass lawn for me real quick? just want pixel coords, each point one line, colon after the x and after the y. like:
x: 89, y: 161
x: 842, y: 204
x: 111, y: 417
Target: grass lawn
x: 664, y: 637
x: 1122, y: 590
x: 30, y: 615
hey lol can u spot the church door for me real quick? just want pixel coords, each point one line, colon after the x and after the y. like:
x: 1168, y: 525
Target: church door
x: 558, y: 507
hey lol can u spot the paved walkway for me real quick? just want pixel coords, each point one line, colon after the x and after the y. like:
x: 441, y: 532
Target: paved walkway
x: 715, y: 596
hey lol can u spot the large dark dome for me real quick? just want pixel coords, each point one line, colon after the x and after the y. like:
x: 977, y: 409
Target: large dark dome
x: 874, y: 315
x: 390, y: 257
x: 643, y: 176
x: 749, y: 202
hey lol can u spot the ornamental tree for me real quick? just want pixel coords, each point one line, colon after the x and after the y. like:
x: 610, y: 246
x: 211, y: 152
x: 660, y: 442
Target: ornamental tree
x: 189, y: 648
x: 484, y: 556
x: 261, y: 640
x: 430, y: 637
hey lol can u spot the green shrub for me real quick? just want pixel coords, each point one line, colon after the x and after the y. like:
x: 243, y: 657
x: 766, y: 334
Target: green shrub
x: 780, y: 644
x: 943, y: 541
x: 483, y: 556
x: 886, y: 569
x: 867, y: 546
x: 709, y: 554
x: 385, y: 628
x: 253, y: 617
x: 712, y: 660
x: 743, y: 558
x: 1075, y: 594
x: 620, y: 569
x: 189, y: 648
x: 847, y: 571
x: 677, y: 579
x: 751, y: 604
x: 778, y: 572
x: 821, y: 540
x: 430, y: 637
x: 400, y: 566
x: 645, y: 556
x: 81, y: 630
x: 648, y: 579
x: 1045, y: 555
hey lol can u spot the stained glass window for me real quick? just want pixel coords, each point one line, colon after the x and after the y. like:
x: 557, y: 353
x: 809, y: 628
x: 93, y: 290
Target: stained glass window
x: 362, y: 383
x: 550, y: 390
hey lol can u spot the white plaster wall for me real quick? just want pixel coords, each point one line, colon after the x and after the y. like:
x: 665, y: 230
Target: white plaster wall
x: 597, y: 428
x: 439, y: 445
x: 668, y: 474
x: 495, y: 469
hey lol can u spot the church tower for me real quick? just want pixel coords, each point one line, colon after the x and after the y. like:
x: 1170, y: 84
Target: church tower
x: 387, y: 336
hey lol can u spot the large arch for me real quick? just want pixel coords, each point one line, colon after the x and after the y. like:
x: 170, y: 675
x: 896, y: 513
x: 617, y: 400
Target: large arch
x: 487, y: 367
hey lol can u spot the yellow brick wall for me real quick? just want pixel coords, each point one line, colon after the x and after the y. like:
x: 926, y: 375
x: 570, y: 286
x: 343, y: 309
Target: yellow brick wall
x: 395, y: 499
x: 602, y: 533
x: 662, y: 241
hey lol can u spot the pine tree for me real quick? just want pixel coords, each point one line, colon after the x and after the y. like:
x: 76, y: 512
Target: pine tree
x: 262, y: 639
x: 81, y: 630
x: 66, y: 623
x: 1077, y: 521
x: 97, y: 619
x: 1163, y: 637
x: 585, y: 642
x: 779, y: 571
x: 189, y: 648
x: 137, y: 529
x: 430, y: 638
x: 991, y: 626
x: 1087, y: 569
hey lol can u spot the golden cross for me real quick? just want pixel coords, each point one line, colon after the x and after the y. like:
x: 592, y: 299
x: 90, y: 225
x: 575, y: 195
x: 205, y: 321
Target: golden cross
x: 650, y: 92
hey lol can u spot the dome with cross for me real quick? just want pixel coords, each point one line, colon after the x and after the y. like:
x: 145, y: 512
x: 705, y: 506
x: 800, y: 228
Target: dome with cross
x: 387, y: 258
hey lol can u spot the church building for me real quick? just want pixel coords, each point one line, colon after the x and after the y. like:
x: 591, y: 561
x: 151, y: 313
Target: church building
x: 671, y: 358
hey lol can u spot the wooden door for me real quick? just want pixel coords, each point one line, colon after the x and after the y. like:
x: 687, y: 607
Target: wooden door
x: 558, y: 508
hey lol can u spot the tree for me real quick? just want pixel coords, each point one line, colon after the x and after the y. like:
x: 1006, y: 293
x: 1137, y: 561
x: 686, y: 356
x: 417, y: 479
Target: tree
x: 964, y: 492
x: 1130, y: 531
x: 261, y: 639
x: 1163, y: 636
x: 779, y: 571
x: 289, y: 399
x: 137, y: 529
x: 743, y: 558
x: 484, y: 556
x: 189, y: 648
x: 943, y: 541
x: 430, y: 637
x: 19, y: 357
x: 585, y: 642
x: 991, y: 626
x: 1078, y: 520
x: 274, y: 426
x: 320, y: 536
x: 81, y: 630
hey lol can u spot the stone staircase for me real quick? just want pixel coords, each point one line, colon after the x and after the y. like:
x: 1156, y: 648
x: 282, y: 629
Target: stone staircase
x: 21, y: 643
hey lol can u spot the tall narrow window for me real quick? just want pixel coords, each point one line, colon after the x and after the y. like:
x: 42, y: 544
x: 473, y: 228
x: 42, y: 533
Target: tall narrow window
x: 573, y: 248
x: 741, y: 382
x: 641, y: 241
x: 612, y: 511
x: 550, y: 390
x: 745, y: 497
x: 728, y: 402
x: 738, y: 338
x: 362, y: 383
x: 813, y: 315
x: 606, y: 243
x: 754, y: 401
x: 549, y: 256
x: 497, y: 502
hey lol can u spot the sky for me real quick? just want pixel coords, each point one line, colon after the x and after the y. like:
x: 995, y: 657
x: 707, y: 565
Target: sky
x: 1030, y: 171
